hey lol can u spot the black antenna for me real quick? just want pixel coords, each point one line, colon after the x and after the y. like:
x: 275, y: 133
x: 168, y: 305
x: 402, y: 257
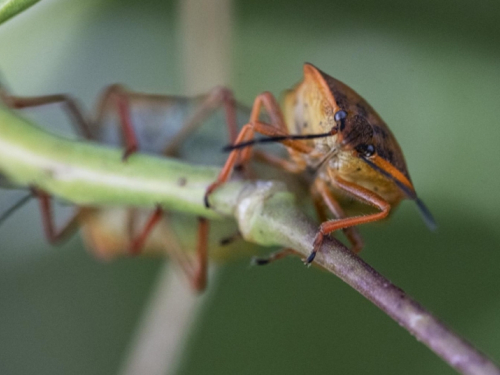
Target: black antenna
x: 424, y: 211
x: 278, y: 138
x: 21, y: 202
x: 426, y: 215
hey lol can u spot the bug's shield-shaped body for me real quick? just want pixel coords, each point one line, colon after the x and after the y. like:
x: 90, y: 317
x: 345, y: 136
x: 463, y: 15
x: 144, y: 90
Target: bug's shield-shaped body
x: 310, y: 108
x: 334, y: 135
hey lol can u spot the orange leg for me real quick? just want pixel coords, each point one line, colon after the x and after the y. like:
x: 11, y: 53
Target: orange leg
x: 276, y: 128
x: 82, y: 125
x: 326, y: 197
x: 199, y: 276
x: 195, y: 270
x: 117, y: 98
x: 70, y: 105
x: 359, y: 193
x: 51, y: 233
x: 217, y: 97
x: 138, y: 242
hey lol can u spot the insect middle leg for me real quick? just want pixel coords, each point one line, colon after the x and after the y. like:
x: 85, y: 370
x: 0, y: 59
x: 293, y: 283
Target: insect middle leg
x: 360, y: 193
x: 322, y: 196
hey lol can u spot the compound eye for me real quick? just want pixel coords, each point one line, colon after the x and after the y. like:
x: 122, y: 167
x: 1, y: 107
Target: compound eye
x: 366, y: 150
x: 340, y: 115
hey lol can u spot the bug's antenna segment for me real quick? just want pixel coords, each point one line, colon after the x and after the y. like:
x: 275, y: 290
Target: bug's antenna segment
x: 409, y: 192
x: 279, y: 138
x: 426, y: 215
x: 21, y: 202
x: 422, y: 208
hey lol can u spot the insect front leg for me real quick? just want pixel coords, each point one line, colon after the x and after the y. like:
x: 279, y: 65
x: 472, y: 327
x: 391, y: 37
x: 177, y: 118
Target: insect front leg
x: 360, y: 193
x: 276, y: 127
x: 322, y: 196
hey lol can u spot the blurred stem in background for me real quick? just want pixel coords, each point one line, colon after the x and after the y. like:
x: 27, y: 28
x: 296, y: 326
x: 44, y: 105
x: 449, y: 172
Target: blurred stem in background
x: 170, y: 315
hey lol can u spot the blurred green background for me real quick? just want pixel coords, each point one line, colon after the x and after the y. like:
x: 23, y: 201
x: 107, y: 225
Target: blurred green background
x: 430, y: 68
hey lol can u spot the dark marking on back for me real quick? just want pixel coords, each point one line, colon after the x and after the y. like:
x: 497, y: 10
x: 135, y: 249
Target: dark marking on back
x: 380, y: 131
x: 361, y: 109
x: 340, y: 98
x: 390, y: 154
x: 363, y: 115
x: 358, y: 131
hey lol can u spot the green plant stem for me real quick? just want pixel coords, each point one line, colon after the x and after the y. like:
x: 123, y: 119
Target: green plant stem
x: 86, y: 173
x: 9, y: 8
x: 90, y: 174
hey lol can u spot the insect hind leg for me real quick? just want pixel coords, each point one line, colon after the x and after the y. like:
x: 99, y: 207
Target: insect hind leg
x: 82, y: 127
x: 52, y: 234
x: 70, y: 105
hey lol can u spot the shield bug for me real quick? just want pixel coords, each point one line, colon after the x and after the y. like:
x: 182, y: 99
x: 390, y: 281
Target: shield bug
x: 335, y: 136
